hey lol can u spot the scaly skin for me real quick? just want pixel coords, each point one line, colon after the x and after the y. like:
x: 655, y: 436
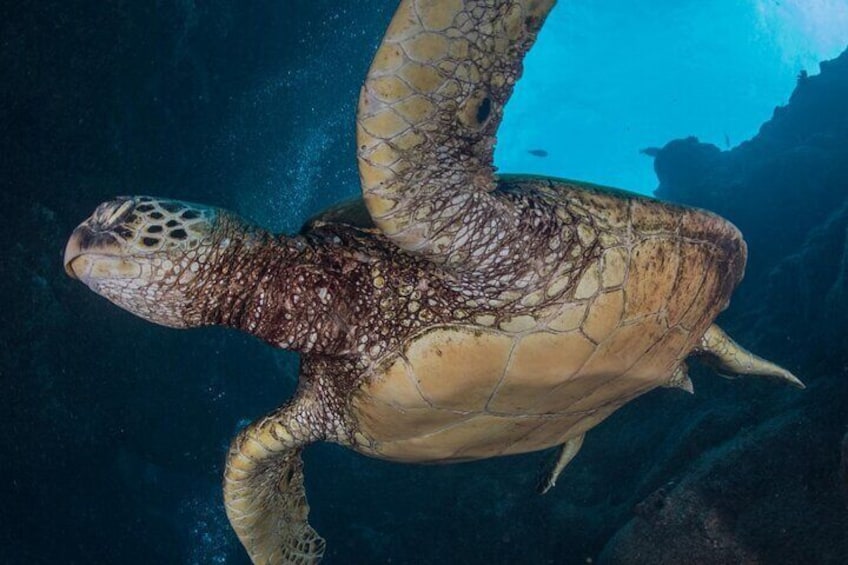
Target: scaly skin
x: 481, y: 316
x: 338, y: 290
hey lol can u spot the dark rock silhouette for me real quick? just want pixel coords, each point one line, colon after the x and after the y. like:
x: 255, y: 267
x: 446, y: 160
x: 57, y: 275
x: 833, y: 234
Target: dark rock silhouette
x: 773, y: 492
x: 815, y: 276
x: 781, y: 183
x: 769, y: 495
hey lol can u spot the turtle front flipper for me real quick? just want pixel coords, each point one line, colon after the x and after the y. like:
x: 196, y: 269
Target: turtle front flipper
x: 428, y: 113
x: 264, y: 493
x: 731, y: 359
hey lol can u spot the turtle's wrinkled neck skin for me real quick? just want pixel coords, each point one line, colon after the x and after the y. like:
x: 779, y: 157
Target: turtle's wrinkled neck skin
x: 266, y: 286
x: 187, y: 265
x: 287, y: 291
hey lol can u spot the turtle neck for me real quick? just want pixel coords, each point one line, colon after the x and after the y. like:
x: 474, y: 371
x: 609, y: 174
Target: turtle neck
x: 272, y: 287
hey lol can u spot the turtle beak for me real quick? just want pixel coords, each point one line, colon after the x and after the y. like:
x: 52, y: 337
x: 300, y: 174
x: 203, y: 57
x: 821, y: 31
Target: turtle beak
x: 72, y: 252
x: 86, y: 249
x: 92, y: 246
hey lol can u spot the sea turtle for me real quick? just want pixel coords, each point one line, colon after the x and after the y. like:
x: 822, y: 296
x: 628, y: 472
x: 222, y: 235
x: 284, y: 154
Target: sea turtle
x: 449, y: 315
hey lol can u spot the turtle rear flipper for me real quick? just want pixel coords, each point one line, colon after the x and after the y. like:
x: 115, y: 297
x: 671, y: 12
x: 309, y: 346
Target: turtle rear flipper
x: 731, y: 359
x: 567, y: 452
x: 264, y: 493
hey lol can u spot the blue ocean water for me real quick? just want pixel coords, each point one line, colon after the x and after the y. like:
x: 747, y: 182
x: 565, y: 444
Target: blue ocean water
x: 115, y: 430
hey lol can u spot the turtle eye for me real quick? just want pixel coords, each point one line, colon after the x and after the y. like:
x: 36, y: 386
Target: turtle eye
x: 119, y: 213
x: 109, y: 214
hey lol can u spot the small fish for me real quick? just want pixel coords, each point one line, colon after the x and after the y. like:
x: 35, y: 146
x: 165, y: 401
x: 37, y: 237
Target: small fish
x: 538, y: 152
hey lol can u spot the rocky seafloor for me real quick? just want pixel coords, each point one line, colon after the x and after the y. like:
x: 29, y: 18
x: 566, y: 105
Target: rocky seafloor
x: 774, y: 490
x: 114, y: 431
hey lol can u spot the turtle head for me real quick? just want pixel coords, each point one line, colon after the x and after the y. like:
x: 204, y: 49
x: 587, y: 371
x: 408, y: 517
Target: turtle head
x: 147, y: 255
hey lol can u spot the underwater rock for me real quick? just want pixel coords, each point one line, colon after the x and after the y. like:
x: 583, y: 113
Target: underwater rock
x: 777, y: 186
x: 764, y: 496
x: 812, y: 323
x: 686, y: 169
x: 684, y: 528
x: 767, y: 495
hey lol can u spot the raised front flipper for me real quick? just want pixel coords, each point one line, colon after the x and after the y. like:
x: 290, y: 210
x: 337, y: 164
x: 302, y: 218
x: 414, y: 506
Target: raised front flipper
x: 426, y: 125
x: 731, y: 359
x: 263, y: 488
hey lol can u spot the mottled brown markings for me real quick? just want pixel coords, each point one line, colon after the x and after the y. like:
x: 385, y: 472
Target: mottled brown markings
x: 353, y: 303
x: 468, y: 293
x: 691, y: 315
x: 649, y: 285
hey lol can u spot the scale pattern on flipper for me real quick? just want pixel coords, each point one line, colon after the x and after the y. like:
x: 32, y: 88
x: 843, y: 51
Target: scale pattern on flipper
x: 264, y: 492
x: 426, y: 125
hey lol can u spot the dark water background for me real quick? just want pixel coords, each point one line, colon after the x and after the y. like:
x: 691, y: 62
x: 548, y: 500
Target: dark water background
x: 113, y: 431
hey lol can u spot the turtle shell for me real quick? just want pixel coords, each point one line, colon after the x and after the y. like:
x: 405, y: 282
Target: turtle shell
x: 476, y: 390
